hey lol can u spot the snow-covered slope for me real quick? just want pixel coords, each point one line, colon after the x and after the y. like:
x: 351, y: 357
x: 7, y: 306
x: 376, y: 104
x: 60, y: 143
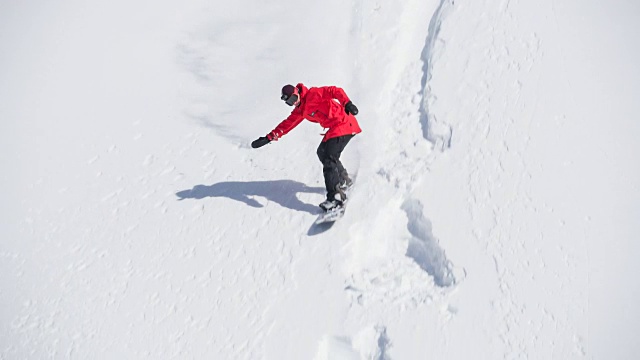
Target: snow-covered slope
x: 496, y: 200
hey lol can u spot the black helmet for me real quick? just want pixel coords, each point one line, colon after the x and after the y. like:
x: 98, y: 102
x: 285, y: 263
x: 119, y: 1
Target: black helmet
x: 290, y: 94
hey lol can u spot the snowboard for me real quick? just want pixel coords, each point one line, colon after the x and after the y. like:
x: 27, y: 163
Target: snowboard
x: 331, y: 215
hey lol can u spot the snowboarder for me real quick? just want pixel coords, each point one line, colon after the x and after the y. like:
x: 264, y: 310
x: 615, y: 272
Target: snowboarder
x: 330, y: 107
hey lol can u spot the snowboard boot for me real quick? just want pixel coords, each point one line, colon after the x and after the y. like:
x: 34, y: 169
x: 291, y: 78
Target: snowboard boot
x: 334, y: 200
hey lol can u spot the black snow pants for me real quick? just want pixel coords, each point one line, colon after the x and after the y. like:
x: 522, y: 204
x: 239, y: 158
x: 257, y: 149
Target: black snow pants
x: 329, y: 154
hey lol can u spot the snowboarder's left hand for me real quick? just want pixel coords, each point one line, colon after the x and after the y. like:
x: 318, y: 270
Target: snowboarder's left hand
x: 259, y: 142
x: 349, y: 108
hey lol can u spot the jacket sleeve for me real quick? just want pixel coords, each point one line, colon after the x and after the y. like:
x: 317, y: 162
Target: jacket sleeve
x: 286, y: 125
x: 337, y: 93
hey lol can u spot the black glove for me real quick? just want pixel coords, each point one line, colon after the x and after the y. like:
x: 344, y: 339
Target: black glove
x: 349, y: 108
x: 261, y: 141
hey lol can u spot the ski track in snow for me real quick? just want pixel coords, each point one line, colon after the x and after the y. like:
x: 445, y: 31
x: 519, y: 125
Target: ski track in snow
x: 409, y: 272
x: 434, y: 130
x: 424, y: 249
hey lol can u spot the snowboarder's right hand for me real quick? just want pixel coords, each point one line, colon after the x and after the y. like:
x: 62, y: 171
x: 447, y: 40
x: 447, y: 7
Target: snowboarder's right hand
x: 259, y: 142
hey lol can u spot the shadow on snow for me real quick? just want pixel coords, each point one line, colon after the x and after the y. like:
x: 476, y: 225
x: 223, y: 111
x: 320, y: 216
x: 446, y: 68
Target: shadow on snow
x: 283, y: 192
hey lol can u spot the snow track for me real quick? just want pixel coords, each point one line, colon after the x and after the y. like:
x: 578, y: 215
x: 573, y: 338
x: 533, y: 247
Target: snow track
x: 424, y: 248
x: 434, y: 130
x: 404, y: 159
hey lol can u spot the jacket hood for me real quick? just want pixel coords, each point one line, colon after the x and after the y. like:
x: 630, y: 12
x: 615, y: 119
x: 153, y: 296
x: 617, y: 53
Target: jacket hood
x: 302, y: 89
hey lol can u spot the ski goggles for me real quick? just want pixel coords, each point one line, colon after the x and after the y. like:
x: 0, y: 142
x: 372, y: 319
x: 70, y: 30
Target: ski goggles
x: 289, y: 99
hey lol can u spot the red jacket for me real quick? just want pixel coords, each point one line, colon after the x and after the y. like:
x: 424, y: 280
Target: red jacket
x: 322, y: 105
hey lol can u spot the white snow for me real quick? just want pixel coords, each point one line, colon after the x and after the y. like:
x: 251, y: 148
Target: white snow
x: 495, y: 213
